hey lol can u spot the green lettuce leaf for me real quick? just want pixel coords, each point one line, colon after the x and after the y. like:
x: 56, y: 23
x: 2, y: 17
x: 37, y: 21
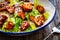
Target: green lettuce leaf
x: 18, y: 22
x: 32, y: 25
x: 34, y: 12
x: 46, y: 15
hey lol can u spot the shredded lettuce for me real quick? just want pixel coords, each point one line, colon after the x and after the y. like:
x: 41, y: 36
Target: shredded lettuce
x: 4, y: 26
x: 32, y: 25
x: 15, y: 15
x: 21, y: 2
x: 35, y: 3
x: 46, y: 15
x: 12, y: 20
x: 18, y: 22
x: 17, y: 0
x: 12, y: 2
x: 34, y: 12
x: 27, y: 16
x: 28, y: 29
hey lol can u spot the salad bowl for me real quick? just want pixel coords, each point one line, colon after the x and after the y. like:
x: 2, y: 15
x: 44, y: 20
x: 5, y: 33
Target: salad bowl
x: 48, y: 7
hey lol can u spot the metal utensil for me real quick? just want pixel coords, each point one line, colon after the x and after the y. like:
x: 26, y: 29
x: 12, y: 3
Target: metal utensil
x: 54, y: 30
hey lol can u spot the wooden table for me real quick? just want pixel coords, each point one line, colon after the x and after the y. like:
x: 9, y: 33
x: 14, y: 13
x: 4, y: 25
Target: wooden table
x: 40, y: 35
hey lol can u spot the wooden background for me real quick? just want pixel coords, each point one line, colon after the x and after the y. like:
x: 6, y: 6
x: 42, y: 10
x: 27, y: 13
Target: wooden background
x: 40, y: 35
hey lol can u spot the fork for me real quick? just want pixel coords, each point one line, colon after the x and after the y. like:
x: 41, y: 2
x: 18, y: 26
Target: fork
x: 54, y: 30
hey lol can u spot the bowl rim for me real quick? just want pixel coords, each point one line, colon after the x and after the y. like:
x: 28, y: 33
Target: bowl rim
x: 24, y: 33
